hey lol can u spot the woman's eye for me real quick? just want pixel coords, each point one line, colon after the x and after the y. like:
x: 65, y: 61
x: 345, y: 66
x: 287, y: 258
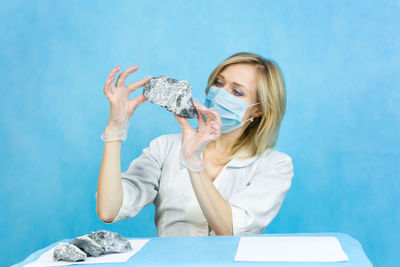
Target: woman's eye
x: 237, y: 92
x: 218, y: 83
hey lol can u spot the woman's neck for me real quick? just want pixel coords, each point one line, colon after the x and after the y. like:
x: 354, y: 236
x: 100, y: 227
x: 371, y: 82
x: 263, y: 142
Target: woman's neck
x: 223, y: 145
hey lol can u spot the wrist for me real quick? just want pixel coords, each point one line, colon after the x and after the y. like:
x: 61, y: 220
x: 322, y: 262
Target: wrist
x: 115, y: 132
x: 116, y: 122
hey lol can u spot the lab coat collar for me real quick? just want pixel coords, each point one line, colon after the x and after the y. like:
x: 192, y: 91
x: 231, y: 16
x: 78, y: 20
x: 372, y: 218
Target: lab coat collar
x: 240, y: 162
x: 237, y: 162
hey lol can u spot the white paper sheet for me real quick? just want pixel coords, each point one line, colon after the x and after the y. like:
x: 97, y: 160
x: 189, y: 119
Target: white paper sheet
x: 46, y: 259
x: 290, y: 249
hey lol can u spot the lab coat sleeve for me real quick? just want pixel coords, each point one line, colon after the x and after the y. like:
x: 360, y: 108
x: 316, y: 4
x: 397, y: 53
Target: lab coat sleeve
x: 254, y: 207
x: 140, y: 182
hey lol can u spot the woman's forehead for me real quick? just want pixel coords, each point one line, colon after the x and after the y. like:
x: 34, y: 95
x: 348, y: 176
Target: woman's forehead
x: 244, y: 74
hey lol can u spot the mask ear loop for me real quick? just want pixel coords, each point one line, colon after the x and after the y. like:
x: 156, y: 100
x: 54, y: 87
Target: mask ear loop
x: 253, y: 104
x: 252, y: 118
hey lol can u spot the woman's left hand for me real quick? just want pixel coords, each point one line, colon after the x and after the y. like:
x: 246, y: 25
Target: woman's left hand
x: 195, y: 141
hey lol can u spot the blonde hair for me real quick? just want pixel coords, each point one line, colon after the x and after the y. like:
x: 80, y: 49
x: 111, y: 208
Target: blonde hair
x: 262, y: 133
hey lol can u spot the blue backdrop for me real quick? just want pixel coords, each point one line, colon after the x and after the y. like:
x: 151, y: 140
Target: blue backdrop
x: 341, y: 63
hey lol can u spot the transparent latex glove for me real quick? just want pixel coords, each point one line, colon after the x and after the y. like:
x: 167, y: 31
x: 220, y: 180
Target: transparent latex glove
x: 195, y: 141
x: 121, y: 107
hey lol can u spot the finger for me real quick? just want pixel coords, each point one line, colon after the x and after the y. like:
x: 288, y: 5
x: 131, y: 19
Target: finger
x: 216, y: 116
x: 183, y: 123
x: 110, y: 80
x: 133, y: 86
x: 122, y: 77
x: 214, y: 125
x: 211, y: 116
x: 139, y: 100
x: 195, y: 101
x: 201, y: 120
x: 112, y: 73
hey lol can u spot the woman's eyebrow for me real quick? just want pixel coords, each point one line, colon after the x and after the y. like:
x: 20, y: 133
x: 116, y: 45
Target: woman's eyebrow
x: 244, y: 87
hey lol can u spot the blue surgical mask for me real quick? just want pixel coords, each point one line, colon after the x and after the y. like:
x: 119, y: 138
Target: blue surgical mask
x: 230, y: 108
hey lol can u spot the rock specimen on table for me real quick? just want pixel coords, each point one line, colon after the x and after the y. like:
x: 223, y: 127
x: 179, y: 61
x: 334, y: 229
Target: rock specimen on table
x: 95, y: 244
x: 173, y: 95
x: 111, y: 242
x: 88, y: 245
x: 68, y: 252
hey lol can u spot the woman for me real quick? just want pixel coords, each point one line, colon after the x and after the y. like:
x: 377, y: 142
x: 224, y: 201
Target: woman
x: 224, y: 178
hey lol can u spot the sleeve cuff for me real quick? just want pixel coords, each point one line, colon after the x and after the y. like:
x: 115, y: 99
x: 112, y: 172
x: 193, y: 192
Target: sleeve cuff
x: 238, y: 220
x: 122, y: 213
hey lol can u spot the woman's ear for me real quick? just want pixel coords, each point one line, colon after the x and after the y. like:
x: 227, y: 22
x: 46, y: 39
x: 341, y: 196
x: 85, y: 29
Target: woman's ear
x: 258, y: 112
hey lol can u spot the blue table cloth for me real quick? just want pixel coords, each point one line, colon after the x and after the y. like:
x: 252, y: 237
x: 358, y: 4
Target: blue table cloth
x: 215, y: 251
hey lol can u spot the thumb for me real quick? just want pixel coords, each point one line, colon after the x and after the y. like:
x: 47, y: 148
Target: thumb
x: 134, y: 103
x: 139, y: 100
x: 183, y: 123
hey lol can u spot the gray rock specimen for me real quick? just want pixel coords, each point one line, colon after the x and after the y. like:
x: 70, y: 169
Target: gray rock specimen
x: 173, y: 95
x: 88, y: 245
x: 111, y: 242
x: 68, y: 252
x: 95, y: 244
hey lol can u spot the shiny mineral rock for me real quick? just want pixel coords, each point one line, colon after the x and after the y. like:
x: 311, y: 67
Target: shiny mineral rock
x: 173, y: 95
x: 88, y: 245
x: 111, y: 242
x: 68, y: 252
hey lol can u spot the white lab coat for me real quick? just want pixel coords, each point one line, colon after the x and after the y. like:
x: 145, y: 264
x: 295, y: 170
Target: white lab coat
x: 255, y: 188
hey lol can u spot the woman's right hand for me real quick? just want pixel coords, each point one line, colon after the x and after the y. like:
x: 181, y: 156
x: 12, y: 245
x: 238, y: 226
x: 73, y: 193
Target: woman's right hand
x: 121, y: 107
